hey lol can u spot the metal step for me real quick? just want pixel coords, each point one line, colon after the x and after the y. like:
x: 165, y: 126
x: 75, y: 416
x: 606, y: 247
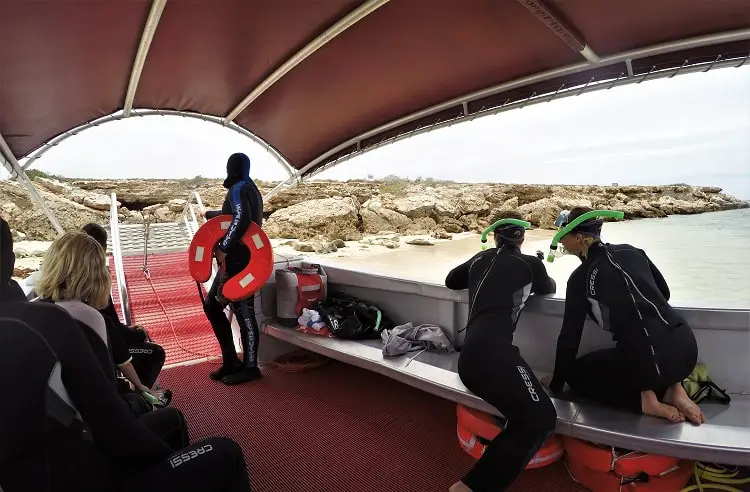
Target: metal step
x: 163, y: 237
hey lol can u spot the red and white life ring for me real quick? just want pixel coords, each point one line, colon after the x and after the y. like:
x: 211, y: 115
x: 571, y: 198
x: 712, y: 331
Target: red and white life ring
x: 475, y: 428
x: 249, y: 280
x: 603, y: 469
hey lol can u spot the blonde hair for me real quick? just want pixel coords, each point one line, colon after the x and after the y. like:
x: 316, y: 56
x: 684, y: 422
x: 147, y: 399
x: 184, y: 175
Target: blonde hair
x: 586, y: 242
x: 75, y: 269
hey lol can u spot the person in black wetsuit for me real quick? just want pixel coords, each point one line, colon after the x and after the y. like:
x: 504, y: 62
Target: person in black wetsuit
x: 113, y: 451
x: 500, y: 281
x: 75, y: 276
x: 619, y: 287
x: 8, y: 289
x: 244, y: 202
x: 146, y: 356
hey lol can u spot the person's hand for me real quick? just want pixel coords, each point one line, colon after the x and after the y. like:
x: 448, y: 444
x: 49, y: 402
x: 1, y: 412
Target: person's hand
x: 140, y: 328
x: 546, y: 381
x: 220, y: 255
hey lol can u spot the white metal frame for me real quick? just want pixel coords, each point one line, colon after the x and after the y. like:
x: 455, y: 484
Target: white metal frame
x: 157, y: 7
x: 591, y: 85
x: 340, y: 26
x: 11, y: 164
x: 41, y: 150
x: 575, y: 41
x: 114, y: 234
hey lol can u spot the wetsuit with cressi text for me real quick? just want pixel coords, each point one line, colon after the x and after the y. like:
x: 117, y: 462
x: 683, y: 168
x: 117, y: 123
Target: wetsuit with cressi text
x: 619, y: 287
x: 500, y: 281
x: 244, y: 203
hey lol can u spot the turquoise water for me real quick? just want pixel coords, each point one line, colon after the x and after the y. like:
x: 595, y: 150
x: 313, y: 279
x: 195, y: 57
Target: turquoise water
x: 705, y: 258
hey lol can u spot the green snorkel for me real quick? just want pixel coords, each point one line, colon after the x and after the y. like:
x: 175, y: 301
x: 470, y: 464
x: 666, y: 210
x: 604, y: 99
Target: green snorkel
x: 615, y: 214
x: 515, y: 222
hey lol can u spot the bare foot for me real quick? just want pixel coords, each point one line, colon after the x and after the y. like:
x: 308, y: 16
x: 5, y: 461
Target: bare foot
x: 459, y: 487
x: 677, y: 397
x: 650, y: 405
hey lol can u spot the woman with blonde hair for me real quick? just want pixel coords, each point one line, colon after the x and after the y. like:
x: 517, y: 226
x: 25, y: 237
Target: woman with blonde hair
x: 74, y: 275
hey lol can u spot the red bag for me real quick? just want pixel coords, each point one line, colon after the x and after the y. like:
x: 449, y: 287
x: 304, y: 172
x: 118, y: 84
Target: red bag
x: 297, y: 289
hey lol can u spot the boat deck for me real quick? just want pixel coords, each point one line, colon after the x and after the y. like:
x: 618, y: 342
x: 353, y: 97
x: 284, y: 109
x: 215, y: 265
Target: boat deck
x: 337, y: 428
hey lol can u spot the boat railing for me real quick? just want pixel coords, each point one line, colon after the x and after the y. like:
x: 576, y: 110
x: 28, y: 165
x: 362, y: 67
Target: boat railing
x: 114, y: 233
x: 193, y: 221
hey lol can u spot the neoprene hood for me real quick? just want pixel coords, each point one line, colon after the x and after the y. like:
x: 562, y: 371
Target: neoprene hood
x: 238, y: 169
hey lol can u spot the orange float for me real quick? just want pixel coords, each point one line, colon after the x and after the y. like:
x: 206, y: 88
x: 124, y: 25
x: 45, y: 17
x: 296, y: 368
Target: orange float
x: 604, y: 469
x: 252, y: 277
x: 476, y: 429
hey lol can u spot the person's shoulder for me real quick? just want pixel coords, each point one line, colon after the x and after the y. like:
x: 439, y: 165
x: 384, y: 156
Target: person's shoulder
x: 531, y: 259
x: 625, y: 248
x: 42, y: 315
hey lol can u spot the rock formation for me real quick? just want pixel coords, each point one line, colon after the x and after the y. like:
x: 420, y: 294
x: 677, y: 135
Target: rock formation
x: 349, y: 210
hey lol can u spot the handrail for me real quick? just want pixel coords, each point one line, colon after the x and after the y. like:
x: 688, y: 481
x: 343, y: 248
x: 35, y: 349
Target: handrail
x: 114, y: 233
x: 192, y: 227
x: 193, y: 195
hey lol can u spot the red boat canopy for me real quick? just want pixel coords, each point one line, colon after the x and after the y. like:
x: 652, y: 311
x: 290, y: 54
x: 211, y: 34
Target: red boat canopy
x: 321, y: 79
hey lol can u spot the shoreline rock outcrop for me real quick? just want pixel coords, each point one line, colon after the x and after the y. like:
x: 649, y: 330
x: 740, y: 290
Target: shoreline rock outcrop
x: 348, y: 210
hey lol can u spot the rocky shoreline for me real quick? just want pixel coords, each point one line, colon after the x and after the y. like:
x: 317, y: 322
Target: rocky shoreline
x: 327, y: 210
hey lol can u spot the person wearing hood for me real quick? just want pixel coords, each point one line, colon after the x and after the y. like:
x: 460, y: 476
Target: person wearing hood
x: 244, y: 203
x: 619, y: 287
x: 9, y: 288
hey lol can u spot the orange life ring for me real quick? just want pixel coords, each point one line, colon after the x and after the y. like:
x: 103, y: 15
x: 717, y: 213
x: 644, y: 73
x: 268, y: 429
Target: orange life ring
x: 474, y: 429
x: 249, y: 280
x: 602, y: 469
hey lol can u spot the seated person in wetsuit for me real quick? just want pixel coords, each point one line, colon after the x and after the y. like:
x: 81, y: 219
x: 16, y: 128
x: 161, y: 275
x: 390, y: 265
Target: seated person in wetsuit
x: 147, y: 357
x: 244, y: 202
x: 111, y: 451
x: 75, y: 277
x: 619, y: 287
x: 500, y: 281
x: 8, y: 289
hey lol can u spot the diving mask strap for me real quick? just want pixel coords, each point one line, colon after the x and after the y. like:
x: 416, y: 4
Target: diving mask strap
x: 615, y: 214
x: 514, y: 222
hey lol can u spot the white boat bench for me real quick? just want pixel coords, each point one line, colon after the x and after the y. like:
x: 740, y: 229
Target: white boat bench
x: 724, y: 438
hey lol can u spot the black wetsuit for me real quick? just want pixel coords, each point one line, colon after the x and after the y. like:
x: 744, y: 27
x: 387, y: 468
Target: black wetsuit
x: 126, y: 454
x: 499, y: 282
x: 115, y: 451
x: 244, y: 202
x: 147, y: 357
x: 626, y: 295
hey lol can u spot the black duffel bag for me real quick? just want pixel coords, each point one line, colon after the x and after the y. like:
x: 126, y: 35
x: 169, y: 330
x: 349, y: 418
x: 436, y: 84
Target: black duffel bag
x: 353, y: 319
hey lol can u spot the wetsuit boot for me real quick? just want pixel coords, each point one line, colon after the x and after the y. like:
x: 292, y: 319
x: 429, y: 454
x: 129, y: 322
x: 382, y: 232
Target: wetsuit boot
x: 226, y: 370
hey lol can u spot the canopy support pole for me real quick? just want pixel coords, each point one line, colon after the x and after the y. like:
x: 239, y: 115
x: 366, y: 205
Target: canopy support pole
x: 11, y: 164
x: 342, y: 25
x: 571, y: 37
x: 157, y: 7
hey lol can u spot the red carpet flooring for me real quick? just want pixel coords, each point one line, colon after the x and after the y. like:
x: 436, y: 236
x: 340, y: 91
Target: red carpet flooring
x: 178, y: 292
x: 337, y: 428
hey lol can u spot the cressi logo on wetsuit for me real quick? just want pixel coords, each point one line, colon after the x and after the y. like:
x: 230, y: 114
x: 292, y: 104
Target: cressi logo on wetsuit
x: 183, y: 458
x: 528, y: 382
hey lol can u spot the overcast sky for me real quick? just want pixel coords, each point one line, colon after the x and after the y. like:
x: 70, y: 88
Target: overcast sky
x: 693, y: 128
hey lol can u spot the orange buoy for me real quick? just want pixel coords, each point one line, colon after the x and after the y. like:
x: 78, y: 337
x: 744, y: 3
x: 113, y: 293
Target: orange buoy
x: 252, y: 277
x: 604, y: 469
x: 476, y: 429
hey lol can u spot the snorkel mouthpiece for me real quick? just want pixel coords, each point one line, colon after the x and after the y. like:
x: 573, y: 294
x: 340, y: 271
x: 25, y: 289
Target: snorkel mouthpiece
x: 568, y: 227
x: 501, y: 222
